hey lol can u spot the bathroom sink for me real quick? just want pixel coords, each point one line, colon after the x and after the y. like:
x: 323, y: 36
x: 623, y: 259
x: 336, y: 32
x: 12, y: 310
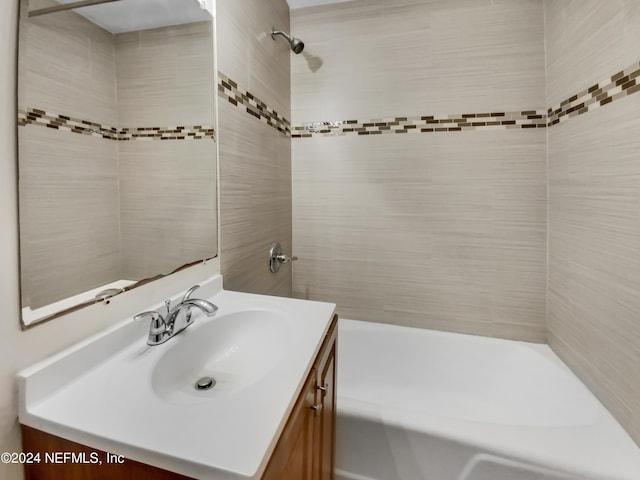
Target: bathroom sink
x: 235, y: 350
x: 115, y: 393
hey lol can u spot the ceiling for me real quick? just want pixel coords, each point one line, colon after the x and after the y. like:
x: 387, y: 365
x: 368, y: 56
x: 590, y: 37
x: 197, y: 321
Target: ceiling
x: 131, y: 16
x: 293, y: 4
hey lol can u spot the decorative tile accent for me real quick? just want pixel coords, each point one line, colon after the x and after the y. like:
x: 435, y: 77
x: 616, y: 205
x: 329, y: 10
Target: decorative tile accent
x: 196, y: 132
x: 243, y: 99
x: 34, y: 116
x: 425, y: 124
x: 614, y: 88
x: 620, y: 85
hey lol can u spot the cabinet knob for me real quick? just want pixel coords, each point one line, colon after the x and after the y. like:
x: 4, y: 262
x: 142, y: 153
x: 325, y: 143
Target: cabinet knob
x: 323, y: 389
x: 317, y: 408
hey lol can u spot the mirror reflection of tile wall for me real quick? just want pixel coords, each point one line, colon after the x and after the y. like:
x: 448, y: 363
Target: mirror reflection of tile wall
x: 117, y: 167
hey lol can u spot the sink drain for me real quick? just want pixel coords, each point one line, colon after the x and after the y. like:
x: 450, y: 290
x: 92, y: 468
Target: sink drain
x: 205, y: 383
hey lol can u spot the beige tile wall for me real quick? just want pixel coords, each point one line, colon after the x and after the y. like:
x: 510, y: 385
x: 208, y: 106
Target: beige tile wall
x: 588, y: 41
x: 247, y: 53
x: 439, y: 230
x: 168, y: 212
x: 594, y: 200
x: 165, y: 77
x: 116, y: 204
x: 68, y: 182
x: 80, y: 59
x: 372, y: 59
x: 69, y: 214
x: 255, y: 202
x: 255, y: 159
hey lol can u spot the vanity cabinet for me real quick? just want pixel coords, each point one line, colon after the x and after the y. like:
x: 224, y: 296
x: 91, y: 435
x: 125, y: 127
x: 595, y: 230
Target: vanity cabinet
x: 304, y: 450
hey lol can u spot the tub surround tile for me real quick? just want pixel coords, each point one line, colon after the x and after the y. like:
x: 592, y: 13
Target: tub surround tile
x: 250, y: 56
x: 616, y: 87
x: 424, y: 229
x: 252, y: 105
x: 69, y: 198
x: 108, y: 98
x: 365, y: 58
x: 424, y: 124
x: 594, y: 179
x: 588, y: 40
x: 255, y: 202
x: 270, y: 72
x: 162, y: 183
x: 594, y: 231
x: 165, y: 76
x: 449, y: 227
x: 41, y: 118
x: 179, y: 132
x: 255, y: 144
x: 81, y: 66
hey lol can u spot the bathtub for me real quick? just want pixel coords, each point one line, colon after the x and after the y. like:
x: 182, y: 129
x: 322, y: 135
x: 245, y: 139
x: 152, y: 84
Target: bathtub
x: 418, y: 404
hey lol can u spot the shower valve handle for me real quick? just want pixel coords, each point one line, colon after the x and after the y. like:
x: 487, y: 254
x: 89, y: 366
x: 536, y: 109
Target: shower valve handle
x: 282, y: 258
x: 277, y: 257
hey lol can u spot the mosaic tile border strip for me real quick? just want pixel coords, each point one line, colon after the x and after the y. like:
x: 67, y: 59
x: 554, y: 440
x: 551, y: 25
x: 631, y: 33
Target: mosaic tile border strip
x: 425, y: 124
x: 35, y: 116
x: 240, y: 98
x: 622, y: 84
x: 617, y: 86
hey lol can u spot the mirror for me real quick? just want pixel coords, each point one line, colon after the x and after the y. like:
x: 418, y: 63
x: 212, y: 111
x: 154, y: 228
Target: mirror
x: 116, y: 147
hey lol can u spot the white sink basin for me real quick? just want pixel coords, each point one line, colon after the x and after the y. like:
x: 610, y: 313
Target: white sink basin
x: 115, y: 393
x: 235, y: 350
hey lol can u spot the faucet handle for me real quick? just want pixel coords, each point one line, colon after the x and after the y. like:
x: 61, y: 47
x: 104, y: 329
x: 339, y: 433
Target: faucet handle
x: 152, y: 314
x: 157, y: 326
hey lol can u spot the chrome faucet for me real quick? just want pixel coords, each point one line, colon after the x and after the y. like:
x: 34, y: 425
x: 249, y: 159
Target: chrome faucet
x: 176, y: 319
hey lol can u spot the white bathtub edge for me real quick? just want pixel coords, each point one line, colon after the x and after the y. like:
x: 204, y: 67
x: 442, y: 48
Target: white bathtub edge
x: 600, y: 451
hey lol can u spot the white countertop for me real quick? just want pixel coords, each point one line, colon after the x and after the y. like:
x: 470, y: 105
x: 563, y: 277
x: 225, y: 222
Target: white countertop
x: 100, y: 392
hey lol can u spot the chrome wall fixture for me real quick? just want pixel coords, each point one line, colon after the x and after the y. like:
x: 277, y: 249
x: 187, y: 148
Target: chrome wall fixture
x: 297, y: 45
x: 277, y: 258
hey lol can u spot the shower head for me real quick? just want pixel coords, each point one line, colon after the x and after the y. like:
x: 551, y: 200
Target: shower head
x: 297, y: 45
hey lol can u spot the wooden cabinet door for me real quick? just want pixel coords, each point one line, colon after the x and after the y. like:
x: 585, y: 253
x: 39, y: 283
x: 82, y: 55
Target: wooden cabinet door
x: 292, y: 458
x: 306, y: 445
